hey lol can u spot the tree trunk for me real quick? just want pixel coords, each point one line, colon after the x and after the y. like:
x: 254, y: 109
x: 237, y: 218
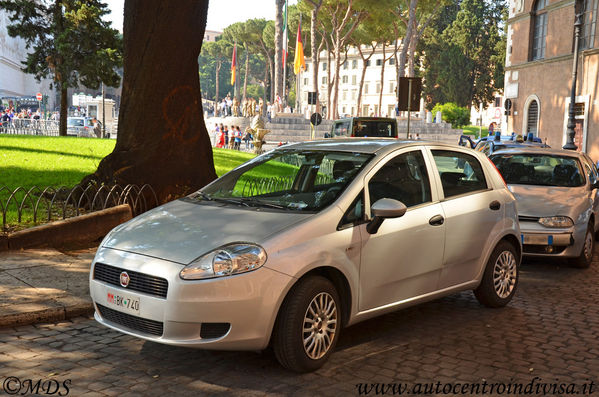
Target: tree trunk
x: 329, y: 85
x: 171, y: 150
x: 382, y: 80
x: 408, y: 38
x: 62, y: 127
x: 278, y: 83
x: 365, y: 65
x: 314, y: 48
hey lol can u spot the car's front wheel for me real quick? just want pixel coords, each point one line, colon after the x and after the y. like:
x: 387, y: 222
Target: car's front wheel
x: 586, y: 255
x: 308, y: 325
x: 500, y: 278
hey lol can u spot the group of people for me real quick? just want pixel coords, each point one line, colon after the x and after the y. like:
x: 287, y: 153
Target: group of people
x: 231, y: 138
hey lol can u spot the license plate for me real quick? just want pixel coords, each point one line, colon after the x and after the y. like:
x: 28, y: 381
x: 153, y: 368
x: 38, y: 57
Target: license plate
x: 537, y: 239
x: 122, y: 302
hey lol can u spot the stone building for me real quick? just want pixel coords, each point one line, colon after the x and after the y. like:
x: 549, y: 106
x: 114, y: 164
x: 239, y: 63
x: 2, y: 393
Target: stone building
x: 13, y: 81
x: 350, y: 75
x: 538, y: 76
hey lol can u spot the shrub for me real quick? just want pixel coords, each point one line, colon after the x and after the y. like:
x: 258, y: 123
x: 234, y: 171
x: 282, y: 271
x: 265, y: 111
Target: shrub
x: 453, y: 114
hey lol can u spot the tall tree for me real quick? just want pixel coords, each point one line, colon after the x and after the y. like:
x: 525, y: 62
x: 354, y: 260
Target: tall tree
x: 69, y: 41
x: 345, y: 17
x: 314, y: 9
x: 170, y: 150
x: 279, y: 47
x: 219, y: 52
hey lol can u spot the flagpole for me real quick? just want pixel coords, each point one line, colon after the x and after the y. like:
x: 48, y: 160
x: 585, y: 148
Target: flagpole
x: 286, y: 46
x: 298, y: 76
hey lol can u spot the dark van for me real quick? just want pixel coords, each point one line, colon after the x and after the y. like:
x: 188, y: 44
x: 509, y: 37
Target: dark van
x: 376, y: 127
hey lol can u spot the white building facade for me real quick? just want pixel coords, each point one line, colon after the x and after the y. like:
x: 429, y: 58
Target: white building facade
x: 349, y: 83
x: 13, y: 81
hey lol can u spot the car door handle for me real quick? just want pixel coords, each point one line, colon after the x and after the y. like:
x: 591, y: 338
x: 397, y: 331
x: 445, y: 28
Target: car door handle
x: 436, y: 220
x: 495, y: 205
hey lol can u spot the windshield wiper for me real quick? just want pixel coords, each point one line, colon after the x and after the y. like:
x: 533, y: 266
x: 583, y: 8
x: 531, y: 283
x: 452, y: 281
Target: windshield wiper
x: 252, y: 201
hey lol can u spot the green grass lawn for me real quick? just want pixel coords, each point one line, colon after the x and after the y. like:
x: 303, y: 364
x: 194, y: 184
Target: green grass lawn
x: 474, y: 131
x: 29, y: 161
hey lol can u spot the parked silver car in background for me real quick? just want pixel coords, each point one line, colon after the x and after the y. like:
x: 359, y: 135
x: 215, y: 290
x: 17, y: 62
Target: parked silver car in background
x: 295, y: 244
x: 558, y: 200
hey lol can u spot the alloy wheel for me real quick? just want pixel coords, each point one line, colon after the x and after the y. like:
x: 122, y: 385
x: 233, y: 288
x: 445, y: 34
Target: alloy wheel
x: 320, y: 325
x: 505, y: 274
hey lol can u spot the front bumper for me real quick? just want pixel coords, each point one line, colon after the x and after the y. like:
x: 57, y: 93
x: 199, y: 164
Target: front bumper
x: 538, y: 240
x: 240, y: 310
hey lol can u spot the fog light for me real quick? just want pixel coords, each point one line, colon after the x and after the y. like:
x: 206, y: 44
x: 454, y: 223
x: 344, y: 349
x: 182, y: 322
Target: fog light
x: 549, y: 249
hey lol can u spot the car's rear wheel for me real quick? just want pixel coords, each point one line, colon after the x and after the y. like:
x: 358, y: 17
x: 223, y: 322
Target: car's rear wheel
x: 500, y: 278
x: 586, y: 255
x: 308, y: 325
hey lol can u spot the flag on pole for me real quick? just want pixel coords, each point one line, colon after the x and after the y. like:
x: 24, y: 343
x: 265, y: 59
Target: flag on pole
x: 285, y: 35
x: 299, y: 64
x: 233, y: 64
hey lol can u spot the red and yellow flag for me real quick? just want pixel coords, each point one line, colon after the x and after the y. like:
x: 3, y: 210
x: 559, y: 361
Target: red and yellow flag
x: 299, y: 63
x: 233, y: 64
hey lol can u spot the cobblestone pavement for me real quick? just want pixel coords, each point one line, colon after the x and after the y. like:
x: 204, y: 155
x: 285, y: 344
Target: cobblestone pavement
x: 550, y: 331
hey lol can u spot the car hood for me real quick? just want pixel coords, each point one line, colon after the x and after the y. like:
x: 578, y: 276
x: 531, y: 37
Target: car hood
x: 181, y: 231
x: 540, y: 201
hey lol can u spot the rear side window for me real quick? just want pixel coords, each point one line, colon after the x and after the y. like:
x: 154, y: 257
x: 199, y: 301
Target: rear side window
x: 372, y: 128
x: 460, y: 173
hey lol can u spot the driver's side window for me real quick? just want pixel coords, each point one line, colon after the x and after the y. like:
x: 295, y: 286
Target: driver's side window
x: 403, y: 178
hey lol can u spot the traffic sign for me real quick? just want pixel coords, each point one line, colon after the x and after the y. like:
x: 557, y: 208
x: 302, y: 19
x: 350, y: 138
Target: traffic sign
x: 409, y: 93
x: 316, y: 119
x: 39, y: 96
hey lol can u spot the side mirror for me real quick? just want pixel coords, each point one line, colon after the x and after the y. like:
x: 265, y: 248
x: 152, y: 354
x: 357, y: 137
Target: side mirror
x: 595, y: 185
x: 383, y: 209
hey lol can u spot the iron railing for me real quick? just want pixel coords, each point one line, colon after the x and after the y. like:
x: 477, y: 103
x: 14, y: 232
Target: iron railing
x: 46, y: 128
x: 35, y: 205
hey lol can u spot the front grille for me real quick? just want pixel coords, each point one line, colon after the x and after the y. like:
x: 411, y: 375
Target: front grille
x: 523, y: 218
x: 214, y: 330
x: 140, y: 282
x: 136, y: 323
x: 542, y: 249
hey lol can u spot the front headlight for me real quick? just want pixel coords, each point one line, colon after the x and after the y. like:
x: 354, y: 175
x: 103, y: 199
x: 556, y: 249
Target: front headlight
x: 556, y: 221
x: 225, y: 261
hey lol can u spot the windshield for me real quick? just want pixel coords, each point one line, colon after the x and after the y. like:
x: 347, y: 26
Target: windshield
x: 365, y: 128
x: 75, y: 123
x: 305, y: 180
x: 539, y: 169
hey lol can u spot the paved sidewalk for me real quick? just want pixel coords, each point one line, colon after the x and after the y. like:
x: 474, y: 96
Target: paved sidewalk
x: 44, y: 285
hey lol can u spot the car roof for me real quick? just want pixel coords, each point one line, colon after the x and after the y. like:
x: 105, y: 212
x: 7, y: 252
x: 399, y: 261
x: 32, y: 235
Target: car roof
x: 531, y: 149
x: 362, y: 145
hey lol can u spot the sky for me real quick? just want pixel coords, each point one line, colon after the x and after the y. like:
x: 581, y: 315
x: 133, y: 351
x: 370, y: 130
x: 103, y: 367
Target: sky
x: 221, y: 13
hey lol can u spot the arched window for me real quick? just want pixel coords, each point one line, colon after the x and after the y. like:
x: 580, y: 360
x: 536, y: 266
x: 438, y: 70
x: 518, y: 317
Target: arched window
x: 532, y: 120
x: 539, y: 30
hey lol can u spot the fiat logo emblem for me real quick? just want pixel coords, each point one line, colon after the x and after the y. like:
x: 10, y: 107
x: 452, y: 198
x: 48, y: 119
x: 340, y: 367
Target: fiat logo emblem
x: 125, y: 279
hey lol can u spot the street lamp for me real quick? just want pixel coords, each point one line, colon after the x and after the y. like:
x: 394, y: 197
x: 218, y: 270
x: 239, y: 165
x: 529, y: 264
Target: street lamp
x: 578, y: 12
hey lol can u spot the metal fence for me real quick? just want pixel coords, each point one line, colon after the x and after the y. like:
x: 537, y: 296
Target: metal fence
x: 44, y: 127
x: 22, y: 206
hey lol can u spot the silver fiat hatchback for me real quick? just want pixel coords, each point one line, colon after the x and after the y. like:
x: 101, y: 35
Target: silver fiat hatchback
x: 294, y: 245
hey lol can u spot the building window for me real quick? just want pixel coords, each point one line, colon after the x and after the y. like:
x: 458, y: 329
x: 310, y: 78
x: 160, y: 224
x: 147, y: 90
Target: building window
x: 354, y: 93
x: 366, y: 88
x: 324, y: 79
x: 392, y: 87
x: 533, y: 117
x: 379, y: 62
x: 344, y: 97
x: 354, y: 64
x: 353, y: 80
x: 324, y: 66
x: 306, y: 81
x: 306, y: 69
x: 589, y: 20
x: 378, y: 87
x: 368, y: 63
x: 392, y: 61
x: 539, y: 32
x: 497, y: 101
x: 345, y: 79
x: 345, y: 65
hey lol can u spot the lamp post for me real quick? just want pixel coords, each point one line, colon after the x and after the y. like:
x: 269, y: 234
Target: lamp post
x: 570, y: 145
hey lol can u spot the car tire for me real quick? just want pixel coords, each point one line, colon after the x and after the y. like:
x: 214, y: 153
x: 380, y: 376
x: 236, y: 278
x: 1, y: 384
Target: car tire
x: 308, y: 325
x: 500, y: 278
x: 586, y: 255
